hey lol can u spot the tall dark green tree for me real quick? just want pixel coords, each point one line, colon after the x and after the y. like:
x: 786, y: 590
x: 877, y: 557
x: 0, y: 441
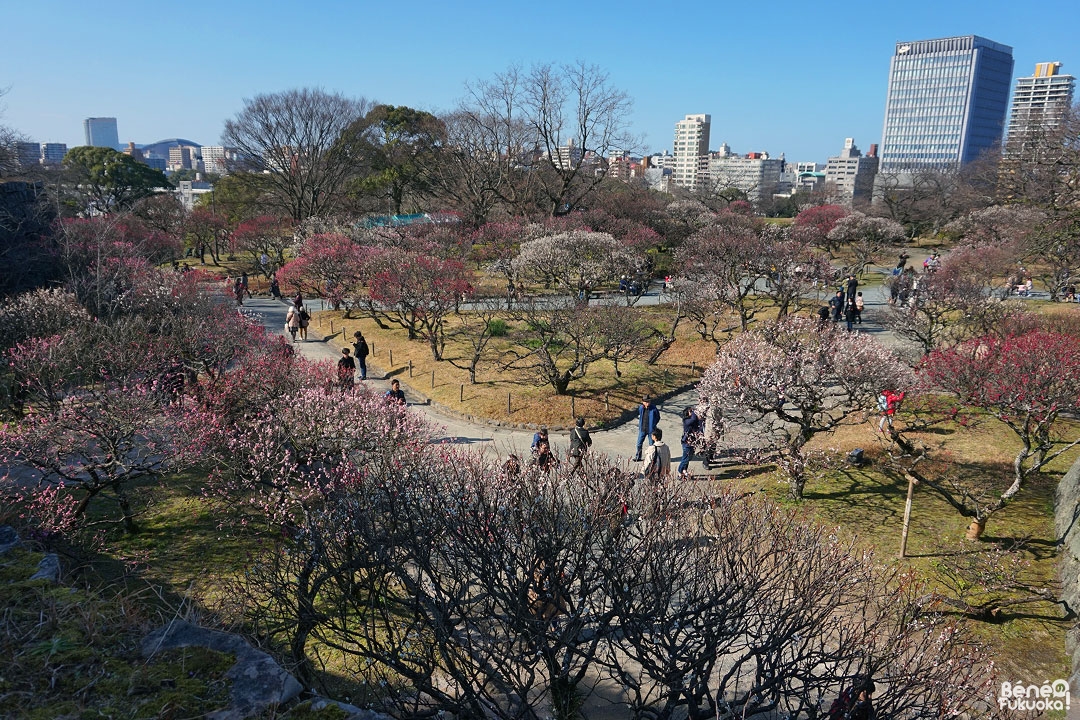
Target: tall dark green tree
x: 106, y: 180
x: 403, y: 142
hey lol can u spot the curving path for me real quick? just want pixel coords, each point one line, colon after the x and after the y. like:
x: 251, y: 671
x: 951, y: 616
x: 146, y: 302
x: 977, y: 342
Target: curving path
x: 617, y: 443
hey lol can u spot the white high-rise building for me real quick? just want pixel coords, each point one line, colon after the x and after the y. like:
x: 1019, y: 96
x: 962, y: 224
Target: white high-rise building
x: 213, y: 158
x: 755, y: 174
x: 1039, y: 104
x: 852, y: 173
x: 691, y: 151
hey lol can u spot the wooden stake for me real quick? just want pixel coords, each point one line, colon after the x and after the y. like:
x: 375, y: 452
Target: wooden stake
x: 461, y: 395
x: 508, y: 404
x: 410, y: 367
x: 911, y: 482
x: 391, y: 357
x: 432, y: 378
x: 573, y: 408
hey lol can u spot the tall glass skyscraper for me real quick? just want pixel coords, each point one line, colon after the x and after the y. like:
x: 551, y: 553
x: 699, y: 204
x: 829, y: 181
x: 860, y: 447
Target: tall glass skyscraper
x: 101, y: 132
x: 946, y: 103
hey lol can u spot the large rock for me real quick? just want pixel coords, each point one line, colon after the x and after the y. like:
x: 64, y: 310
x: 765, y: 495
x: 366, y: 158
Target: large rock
x: 48, y: 569
x: 8, y: 538
x: 258, y: 682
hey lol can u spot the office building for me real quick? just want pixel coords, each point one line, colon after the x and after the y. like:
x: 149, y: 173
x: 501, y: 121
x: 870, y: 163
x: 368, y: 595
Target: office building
x: 755, y: 173
x: 101, y: 132
x: 1039, y: 105
x: 53, y: 153
x: 691, y: 151
x: 851, y: 174
x: 27, y: 153
x: 182, y: 157
x: 946, y: 103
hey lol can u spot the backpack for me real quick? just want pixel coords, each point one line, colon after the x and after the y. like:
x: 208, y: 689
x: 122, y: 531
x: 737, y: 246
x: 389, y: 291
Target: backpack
x: 304, y: 316
x: 882, y: 402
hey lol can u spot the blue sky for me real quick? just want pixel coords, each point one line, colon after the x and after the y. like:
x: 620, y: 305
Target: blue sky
x: 791, y: 77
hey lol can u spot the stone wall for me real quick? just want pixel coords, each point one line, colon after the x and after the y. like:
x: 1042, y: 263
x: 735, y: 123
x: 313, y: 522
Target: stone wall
x: 1067, y: 527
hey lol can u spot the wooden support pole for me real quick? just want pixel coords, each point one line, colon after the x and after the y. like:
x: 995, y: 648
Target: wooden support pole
x: 508, y: 412
x: 907, y: 515
x: 461, y: 394
x: 573, y: 408
x: 391, y: 357
x: 693, y: 367
x: 607, y: 403
x: 331, y: 327
x: 410, y: 367
x: 432, y: 378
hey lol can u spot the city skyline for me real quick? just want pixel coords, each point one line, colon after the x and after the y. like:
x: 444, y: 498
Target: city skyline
x: 797, y: 82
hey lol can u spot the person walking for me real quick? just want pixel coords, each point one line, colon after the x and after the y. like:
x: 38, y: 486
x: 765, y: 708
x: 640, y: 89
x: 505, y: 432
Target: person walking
x: 860, y: 304
x: 888, y: 404
x: 360, y: 352
x: 292, y: 321
x: 648, y: 419
x: 691, y: 432
x: 244, y: 285
x: 346, y: 371
x: 580, y: 442
x: 305, y: 319
x: 852, y: 286
x: 656, y: 465
x: 849, y: 314
x: 238, y: 290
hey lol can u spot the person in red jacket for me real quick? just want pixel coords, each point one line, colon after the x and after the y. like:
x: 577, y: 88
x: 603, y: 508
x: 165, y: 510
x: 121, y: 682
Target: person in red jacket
x: 888, y: 402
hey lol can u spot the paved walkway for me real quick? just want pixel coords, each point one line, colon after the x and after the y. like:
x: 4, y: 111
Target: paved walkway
x: 617, y: 443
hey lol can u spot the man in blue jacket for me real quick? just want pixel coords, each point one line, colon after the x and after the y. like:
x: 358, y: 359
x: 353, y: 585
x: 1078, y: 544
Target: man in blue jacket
x: 648, y: 419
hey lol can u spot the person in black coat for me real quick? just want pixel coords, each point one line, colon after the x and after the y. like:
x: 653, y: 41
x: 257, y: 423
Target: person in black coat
x: 691, y: 431
x: 836, y: 304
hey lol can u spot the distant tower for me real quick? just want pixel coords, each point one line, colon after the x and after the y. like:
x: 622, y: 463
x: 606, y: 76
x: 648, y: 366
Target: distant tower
x: 691, y: 151
x: 946, y: 102
x: 101, y: 132
x: 1039, y: 104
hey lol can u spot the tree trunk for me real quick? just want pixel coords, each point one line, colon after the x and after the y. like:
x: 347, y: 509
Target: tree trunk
x: 976, y: 529
x: 127, y: 516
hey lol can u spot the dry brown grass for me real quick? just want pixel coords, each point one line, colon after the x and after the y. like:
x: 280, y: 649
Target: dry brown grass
x: 600, y: 396
x: 869, y: 503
